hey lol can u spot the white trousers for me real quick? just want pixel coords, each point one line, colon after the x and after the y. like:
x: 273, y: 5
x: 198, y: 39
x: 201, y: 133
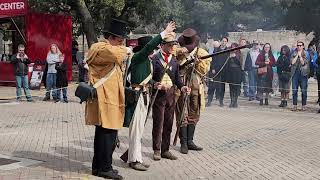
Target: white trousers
x: 136, y: 130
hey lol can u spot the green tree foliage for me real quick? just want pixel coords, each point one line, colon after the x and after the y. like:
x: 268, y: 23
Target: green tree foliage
x: 302, y: 15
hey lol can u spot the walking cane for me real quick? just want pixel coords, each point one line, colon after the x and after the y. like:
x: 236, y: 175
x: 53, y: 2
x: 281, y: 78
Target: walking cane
x: 124, y: 156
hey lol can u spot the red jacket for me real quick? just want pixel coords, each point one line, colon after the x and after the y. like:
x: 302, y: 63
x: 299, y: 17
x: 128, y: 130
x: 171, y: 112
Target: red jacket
x: 261, y: 63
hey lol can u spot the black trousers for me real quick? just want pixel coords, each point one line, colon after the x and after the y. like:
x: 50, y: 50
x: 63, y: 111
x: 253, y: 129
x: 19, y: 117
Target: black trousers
x: 104, y: 143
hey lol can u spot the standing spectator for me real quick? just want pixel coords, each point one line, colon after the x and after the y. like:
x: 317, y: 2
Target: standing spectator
x: 283, y: 69
x: 316, y: 64
x: 81, y: 62
x: 219, y: 64
x: 265, y: 61
x: 312, y: 57
x: 299, y: 71
x: 75, y: 49
x: 20, y: 62
x: 251, y: 68
x: 245, y: 79
x: 52, y: 59
x: 233, y: 76
x: 211, y: 74
x: 62, y: 81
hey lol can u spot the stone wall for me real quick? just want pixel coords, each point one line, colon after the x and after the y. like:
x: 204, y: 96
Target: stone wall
x: 275, y: 38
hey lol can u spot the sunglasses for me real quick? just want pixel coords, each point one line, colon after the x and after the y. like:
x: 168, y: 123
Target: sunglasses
x: 300, y: 45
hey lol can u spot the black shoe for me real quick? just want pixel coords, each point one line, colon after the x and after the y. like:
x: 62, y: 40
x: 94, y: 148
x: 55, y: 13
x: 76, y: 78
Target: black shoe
x: 281, y: 104
x: 208, y: 104
x: 221, y: 103
x: 266, y: 102
x: 95, y: 171
x: 261, y: 102
x: 47, y: 98
x: 251, y: 98
x: 285, y: 103
x: 109, y: 175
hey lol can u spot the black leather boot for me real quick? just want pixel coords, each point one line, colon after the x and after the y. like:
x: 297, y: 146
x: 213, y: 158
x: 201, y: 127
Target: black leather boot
x: 232, y: 100
x: 266, y: 102
x: 183, y: 140
x: 191, y: 145
x: 235, y: 103
x: 285, y: 103
x: 281, y: 104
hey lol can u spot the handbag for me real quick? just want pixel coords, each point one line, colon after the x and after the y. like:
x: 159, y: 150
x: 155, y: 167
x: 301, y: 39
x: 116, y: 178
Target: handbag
x: 285, y: 76
x: 262, y: 70
x: 86, y: 92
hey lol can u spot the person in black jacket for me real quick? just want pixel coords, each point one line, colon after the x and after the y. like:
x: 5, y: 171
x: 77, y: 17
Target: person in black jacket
x: 284, y: 70
x: 219, y: 63
x: 62, y: 81
x: 233, y: 76
x: 20, y: 62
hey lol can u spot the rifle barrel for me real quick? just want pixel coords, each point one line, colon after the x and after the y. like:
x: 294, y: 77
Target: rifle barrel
x: 225, y: 51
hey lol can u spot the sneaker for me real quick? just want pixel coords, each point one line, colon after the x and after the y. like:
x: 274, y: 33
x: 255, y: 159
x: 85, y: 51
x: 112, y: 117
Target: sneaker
x: 30, y: 100
x: 304, y: 108
x: 65, y: 101
x: 251, y: 98
x: 156, y: 156
x: 137, y: 166
x: 57, y: 101
x: 168, y: 155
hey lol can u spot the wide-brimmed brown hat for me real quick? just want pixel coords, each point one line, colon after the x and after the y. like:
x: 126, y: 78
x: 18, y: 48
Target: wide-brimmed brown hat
x: 189, y: 39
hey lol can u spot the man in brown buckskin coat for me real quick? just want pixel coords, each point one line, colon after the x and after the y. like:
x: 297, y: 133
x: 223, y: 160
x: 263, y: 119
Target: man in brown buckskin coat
x: 189, y: 49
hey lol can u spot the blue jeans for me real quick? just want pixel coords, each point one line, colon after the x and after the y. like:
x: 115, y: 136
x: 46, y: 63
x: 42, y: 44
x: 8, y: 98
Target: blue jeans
x: 22, y: 82
x: 252, y: 75
x: 64, y: 94
x: 302, y: 81
x: 51, y: 84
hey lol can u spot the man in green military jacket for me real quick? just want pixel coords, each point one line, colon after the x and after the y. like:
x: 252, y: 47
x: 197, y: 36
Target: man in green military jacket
x: 140, y: 73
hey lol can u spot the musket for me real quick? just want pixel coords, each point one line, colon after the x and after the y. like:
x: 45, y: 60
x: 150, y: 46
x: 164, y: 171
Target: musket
x: 189, y: 82
x: 124, y: 156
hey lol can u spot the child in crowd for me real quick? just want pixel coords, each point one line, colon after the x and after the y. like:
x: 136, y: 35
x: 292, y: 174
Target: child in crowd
x: 62, y: 81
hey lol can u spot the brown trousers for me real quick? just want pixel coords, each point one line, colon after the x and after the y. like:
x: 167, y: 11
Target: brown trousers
x: 163, y: 114
x: 192, y: 109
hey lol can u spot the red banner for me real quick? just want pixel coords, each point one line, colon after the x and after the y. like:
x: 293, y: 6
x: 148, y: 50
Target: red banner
x: 11, y: 8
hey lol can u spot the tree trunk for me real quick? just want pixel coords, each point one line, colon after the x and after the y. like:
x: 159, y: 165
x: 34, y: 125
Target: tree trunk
x: 87, y: 22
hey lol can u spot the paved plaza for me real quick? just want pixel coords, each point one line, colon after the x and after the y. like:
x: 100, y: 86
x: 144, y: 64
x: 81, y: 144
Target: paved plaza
x: 47, y: 140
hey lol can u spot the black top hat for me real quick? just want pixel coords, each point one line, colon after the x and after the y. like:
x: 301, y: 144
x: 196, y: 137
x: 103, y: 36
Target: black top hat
x: 142, y: 41
x: 118, y: 28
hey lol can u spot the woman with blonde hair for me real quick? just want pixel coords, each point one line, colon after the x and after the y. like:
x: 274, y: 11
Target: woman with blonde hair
x: 52, y: 59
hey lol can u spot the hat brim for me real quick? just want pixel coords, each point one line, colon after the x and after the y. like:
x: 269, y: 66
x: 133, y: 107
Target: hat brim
x: 192, y: 45
x: 167, y: 42
x: 118, y: 35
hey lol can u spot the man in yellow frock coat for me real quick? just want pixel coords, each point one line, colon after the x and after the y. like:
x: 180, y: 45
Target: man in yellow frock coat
x: 106, y: 112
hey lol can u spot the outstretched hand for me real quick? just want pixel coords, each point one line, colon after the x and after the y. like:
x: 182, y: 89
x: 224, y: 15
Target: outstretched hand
x: 171, y: 26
